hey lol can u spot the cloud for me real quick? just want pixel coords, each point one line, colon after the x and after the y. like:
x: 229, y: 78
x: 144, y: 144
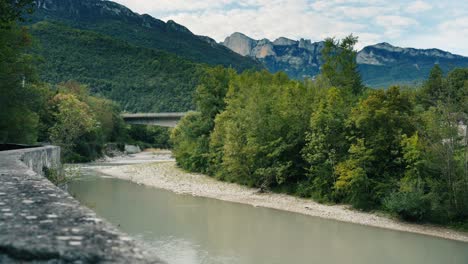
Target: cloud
x: 418, y: 6
x: 397, y: 21
x: 450, y: 35
x: 164, y: 6
x: 394, y: 26
x: 271, y: 19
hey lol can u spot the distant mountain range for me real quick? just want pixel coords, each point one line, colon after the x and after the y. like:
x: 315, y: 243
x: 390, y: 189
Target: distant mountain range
x: 380, y: 65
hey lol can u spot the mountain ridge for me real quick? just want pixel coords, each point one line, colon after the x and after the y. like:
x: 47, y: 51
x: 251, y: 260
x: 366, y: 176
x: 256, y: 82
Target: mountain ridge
x: 381, y: 64
x: 118, y: 21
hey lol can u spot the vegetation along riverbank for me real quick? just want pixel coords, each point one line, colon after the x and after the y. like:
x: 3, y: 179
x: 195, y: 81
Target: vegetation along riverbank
x: 402, y: 150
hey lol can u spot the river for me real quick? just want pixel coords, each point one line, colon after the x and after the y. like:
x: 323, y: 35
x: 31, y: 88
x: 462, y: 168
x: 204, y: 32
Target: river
x: 190, y: 230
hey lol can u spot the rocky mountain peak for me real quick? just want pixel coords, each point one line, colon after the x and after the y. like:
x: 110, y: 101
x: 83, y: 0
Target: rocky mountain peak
x: 386, y: 50
x: 282, y: 41
x: 239, y: 43
x: 299, y: 59
x: 380, y: 64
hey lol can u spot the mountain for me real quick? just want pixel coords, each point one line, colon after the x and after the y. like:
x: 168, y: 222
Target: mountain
x: 119, y: 22
x: 299, y: 59
x: 380, y: 65
x: 138, y: 78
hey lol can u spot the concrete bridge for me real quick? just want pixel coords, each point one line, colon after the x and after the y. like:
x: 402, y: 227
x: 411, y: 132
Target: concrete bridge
x: 155, y: 119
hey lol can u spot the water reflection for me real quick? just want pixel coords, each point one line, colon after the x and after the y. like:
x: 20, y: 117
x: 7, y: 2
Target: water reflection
x: 186, y: 229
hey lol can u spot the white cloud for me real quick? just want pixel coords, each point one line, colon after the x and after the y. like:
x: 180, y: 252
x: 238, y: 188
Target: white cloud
x: 394, y: 26
x: 451, y: 35
x: 289, y: 18
x: 418, y: 6
x: 399, y: 22
x: 395, y: 21
x: 148, y: 6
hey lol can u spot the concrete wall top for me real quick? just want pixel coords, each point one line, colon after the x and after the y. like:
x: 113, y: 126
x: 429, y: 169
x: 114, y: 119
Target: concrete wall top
x: 41, y: 223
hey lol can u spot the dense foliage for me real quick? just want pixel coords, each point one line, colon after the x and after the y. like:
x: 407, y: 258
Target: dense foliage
x: 64, y: 114
x: 18, y: 84
x: 400, y: 150
x: 11, y: 10
x: 139, y: 79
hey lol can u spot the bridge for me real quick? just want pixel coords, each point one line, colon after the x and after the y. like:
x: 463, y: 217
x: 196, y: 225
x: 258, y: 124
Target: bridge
x: 155, y: 119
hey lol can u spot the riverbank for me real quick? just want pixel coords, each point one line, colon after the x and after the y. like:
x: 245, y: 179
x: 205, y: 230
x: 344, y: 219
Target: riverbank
x: 163, y: 173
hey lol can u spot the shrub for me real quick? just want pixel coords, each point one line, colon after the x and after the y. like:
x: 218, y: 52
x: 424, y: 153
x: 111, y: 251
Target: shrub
x: 409, y: 206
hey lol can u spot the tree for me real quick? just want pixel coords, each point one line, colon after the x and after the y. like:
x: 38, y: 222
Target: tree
x: 457, y: 86
x: 340, y: 65
x: 191, y: 137
x: 377, y: 125
x: 18, y: 121
x: 326, y: 143
x: 13, y: 10
x: 258, y: 138
x: 73, y: 120
x: 433, y: 87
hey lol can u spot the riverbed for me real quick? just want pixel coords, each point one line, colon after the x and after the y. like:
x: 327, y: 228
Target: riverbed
x: 174, y: 212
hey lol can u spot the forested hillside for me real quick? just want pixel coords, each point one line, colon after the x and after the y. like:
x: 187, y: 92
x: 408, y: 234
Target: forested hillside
x: 119, y: 22
x: 140, y: 79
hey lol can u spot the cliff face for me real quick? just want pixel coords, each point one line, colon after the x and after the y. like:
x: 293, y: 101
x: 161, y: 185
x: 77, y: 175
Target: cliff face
x: 380, y: 65
x: 300, y: 59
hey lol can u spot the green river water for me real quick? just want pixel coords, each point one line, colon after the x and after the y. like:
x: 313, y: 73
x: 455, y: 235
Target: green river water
x: 191, y: 230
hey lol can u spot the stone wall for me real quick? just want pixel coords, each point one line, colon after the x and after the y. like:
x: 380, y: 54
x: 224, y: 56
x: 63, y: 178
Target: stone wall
x: 41, y: 223
x: 39, y: 158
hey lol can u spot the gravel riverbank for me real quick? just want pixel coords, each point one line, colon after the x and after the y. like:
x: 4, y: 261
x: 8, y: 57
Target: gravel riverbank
x: 163, y: 173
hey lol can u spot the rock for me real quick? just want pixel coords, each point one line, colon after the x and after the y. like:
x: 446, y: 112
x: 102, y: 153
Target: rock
x: 131, y: 149
x: 240, y: 44
x: 300, y: 59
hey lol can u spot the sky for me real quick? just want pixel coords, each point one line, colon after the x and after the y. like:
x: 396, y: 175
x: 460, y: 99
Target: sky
x: 419, y: 24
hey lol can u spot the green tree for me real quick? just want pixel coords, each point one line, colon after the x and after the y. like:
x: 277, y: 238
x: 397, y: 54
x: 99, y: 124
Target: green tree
x: 73, y: 120
x: 457, y: 86
x: 377, y: 125
x: 340, y: 66
x: 13, y: 10
x: 262, y: 130
x: 191, y: 137
x: 326, y: 143
x: 433, y: 87
x: 19, y: 96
